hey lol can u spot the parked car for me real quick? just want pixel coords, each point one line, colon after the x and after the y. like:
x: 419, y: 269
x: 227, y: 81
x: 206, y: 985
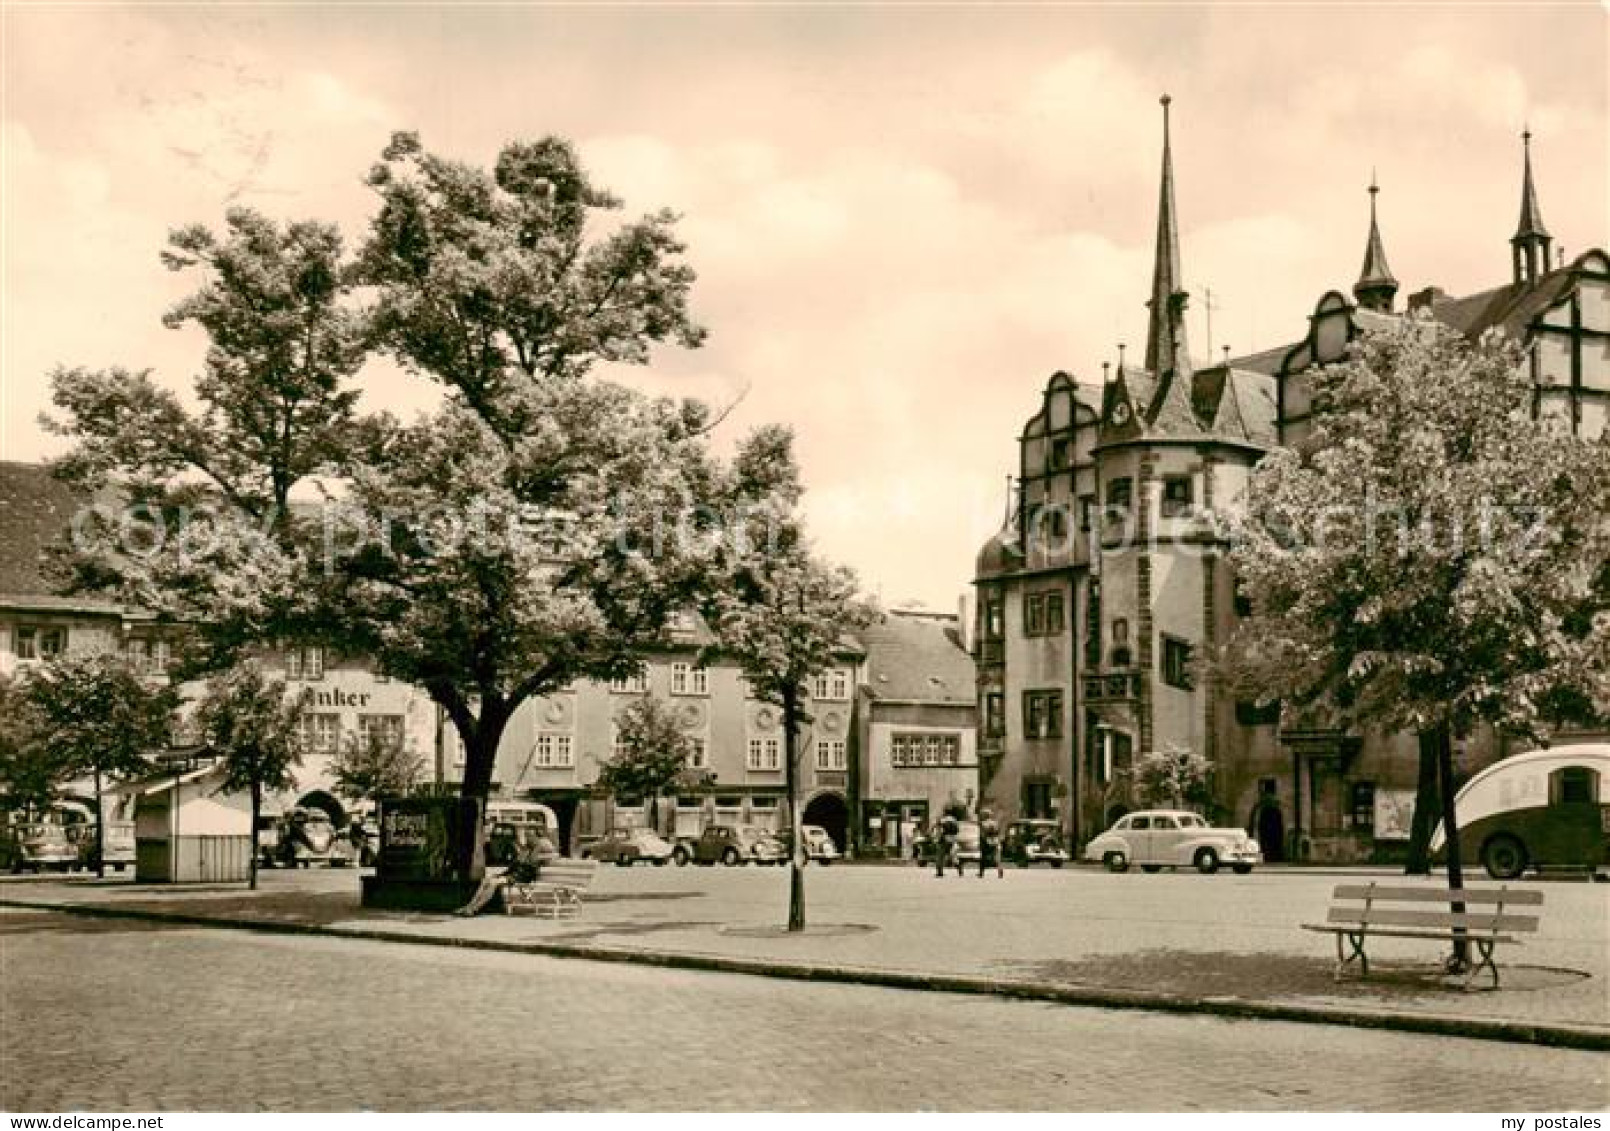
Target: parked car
x: 818, y: 845
x: 37, y: 846
x: 969, y: 843
x: 1034, y: 842
x: 307, y: 837
x: 730, y: 845
x: 1172, y: 838
x: 626, y: 847
x: 1543, y: 808
x: 119, y: 837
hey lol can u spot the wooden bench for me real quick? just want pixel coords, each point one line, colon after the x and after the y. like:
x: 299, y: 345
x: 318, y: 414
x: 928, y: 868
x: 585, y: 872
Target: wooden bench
x: 1362, y: 910
x: 556, y: 891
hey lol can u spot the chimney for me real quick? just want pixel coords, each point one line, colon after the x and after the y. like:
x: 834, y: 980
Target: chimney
x: 964, y: 623
x: 1424, y: 300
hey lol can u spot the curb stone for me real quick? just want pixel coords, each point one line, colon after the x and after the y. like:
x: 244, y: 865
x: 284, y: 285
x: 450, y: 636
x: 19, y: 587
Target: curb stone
x: 1475, y: 1028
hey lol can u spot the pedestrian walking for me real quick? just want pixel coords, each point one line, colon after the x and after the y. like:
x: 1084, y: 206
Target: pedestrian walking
x: 945, y: 851
x: 989, y: 845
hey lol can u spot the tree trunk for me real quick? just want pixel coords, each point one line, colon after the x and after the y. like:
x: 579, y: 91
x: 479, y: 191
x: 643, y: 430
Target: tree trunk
x: 480, y: 759
x: 1450, y: 826
x: 1425, y: 807
x: 796, y: 856
x: 257, y: 810
x: 100, y: 829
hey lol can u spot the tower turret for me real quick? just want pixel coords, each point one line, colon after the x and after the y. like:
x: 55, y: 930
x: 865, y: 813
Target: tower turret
x: 1376, y: 286
x: 1529, y: 246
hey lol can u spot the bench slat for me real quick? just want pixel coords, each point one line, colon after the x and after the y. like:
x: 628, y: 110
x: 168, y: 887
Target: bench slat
x: 1395, y: 917
x: 1395, y: 933
x: 1379, y: 893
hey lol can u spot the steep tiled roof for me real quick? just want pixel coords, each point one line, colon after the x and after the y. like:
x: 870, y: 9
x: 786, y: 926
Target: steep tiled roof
x: 918, y: 657
x: 1509, y: 307
x: 36, y: 508
x: 1264, y: 361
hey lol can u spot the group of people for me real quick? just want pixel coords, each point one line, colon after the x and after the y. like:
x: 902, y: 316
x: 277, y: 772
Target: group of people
x: 946, y: 836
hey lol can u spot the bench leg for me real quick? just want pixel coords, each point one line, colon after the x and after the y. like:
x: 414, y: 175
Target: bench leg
x: 1355, y: 940
x: 1484, y: 948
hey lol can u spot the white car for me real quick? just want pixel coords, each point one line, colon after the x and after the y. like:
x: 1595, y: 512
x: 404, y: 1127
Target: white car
x: 1172, y: 838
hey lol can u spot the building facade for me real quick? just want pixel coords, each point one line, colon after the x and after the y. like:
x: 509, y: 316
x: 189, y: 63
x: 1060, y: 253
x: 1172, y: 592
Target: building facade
x: 1100, y: 598
x: 916, y: 728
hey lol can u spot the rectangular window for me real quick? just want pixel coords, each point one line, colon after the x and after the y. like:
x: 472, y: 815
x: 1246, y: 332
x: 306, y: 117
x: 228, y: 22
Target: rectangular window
x: 27, y: 647
x: 37, y: 643
x: 1042, y: 714
x: 1364, y: 806
x: 1176, y: 663
x: 1061, y: 454
x: 698, y: 755
x: 1033, y: 614
x: 689, y: 679
x: 1119, y: 493
x: 304, y: 663
x: 554, y: 751
x: 387, y: 729
x: 765, y: 754
x: 1176, y: 495
x: 994, y: 620
x: 833, y: 684
x: 1243, y: 605
x: 762, y: 803
x: 830, y: 754
x: 1054, y: 619
x: 321, y: 733
x: 147, y: 655
x: 630, y: 685
x: 1087, y: 507
x: 907, y: 750
x: 994, y: 714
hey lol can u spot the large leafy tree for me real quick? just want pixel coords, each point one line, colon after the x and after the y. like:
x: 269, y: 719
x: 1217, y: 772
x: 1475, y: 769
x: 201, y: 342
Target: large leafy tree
x: 654, y: 754
x: 249, y: 722
x: 29, y: 774
x: 781, y: 612
x: 1429, y: 558
x: 191, y: 495
x: 97, y: 716
x: 1176, y: 776
x: 523, y: 534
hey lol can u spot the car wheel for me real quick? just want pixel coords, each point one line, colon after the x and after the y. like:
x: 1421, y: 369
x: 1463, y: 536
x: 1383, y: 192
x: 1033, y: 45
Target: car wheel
x: 1207, y: 861
x: 1151, y: 869
x: 731, y: 858
x: 623, y: 861
x: 661, y: 861
x: 1116, y: 862
x: 1241, y: 869
x: 1056, y: 864
x: 1504, y: 857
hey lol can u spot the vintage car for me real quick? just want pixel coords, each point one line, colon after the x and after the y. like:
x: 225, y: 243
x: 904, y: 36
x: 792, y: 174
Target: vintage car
x: 730, y: 845
x: 1034, y: 842
x: 1172, y: 838
x: 119, y: 836
x: 1542, y: 809
x: 37, y: 847
x: 969, y: 843
x: 626, y: 847
x: 818, y: 845
x: 307, y: 837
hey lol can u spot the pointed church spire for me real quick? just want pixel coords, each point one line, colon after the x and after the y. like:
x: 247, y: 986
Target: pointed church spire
x: 1166, y: 350
x: 1376, y: 286
x: 1529, y: 246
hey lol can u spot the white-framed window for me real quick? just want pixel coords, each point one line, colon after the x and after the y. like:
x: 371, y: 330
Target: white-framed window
x: 146, y: 654
x: 830, y: 754
x: 834, y: 684
x: 304, y: 663
x: 40, y: 642
x: 689, y: 679
x: 554, y: 750
x: 321, y: 733
x: 698, y: 753
x: 630, y: 685
x: 765, y: 754
x: 924, y: 750
x: 384, y: 728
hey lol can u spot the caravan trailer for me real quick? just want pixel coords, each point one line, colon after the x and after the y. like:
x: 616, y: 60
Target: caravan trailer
x: 1544, y: 808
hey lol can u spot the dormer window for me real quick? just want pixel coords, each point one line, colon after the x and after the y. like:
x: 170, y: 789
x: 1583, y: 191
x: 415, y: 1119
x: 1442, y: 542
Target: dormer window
x: 1176, y: 496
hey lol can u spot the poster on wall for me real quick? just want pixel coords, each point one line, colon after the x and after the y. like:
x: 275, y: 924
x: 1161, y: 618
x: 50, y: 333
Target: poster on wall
x: 1394, y: 813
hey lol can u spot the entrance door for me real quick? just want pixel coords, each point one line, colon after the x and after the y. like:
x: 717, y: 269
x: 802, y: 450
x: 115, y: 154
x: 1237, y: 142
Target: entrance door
x: 830, y: 812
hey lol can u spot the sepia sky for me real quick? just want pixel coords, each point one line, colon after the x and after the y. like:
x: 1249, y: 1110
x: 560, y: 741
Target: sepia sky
x: 904, y: 219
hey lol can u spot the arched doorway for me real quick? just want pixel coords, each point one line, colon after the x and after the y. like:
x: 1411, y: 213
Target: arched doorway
x: 319, y: 799
x: 830, y: 812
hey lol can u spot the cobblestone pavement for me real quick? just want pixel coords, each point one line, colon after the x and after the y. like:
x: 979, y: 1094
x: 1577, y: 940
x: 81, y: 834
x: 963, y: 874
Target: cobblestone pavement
x: 104, y: 1015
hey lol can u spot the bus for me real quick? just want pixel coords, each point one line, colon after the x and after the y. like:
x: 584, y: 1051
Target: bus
x: 1541, y: 809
